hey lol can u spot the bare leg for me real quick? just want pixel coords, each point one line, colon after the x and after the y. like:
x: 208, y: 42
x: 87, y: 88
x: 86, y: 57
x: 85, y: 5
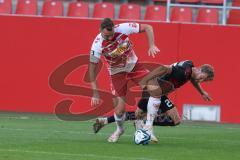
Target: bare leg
x: 138, y: 123
x: 173, y: 114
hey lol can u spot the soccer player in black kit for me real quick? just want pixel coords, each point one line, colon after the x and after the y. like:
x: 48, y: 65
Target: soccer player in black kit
x: 157, y: 85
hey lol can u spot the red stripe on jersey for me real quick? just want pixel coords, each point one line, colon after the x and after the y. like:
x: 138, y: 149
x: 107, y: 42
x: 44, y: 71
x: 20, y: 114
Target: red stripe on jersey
x: 110, y: 46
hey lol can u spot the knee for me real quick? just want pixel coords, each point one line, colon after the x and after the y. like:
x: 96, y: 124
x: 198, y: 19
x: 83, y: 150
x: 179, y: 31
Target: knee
x: 119, y: 113
x: 152, y: 85
x: 153, y: 88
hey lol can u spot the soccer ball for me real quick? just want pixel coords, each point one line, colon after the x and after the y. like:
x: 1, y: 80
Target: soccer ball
x: 141, y: 137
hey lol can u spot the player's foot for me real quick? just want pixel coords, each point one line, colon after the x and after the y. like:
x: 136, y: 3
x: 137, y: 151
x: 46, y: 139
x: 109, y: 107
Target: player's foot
x: 154, y: 138
x: 138, y: 124
x: 149, y: 130
x: 115, y: 136
x: 99, y: 124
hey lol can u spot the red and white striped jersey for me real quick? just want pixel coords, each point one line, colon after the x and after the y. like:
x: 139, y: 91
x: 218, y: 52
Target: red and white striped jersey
x: 118, y: 52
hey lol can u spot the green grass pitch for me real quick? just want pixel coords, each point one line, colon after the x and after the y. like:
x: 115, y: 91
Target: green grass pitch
x: 44, y: 137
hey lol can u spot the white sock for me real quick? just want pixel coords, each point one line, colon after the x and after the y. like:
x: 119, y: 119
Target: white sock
x: 152, y: 109
x: 119, y: 121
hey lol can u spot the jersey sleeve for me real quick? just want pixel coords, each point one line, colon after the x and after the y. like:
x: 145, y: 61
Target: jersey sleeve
x: 128, y: 28
x: 189, y: 63
x: 186, y: 63
x: 96, y: 50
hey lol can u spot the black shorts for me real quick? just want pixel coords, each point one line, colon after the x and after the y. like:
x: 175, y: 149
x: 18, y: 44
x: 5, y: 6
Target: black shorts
x: 166, y: 86
x: 165, y: 105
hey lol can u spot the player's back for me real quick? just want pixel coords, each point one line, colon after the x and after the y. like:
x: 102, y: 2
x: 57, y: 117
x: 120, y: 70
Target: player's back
x: 181, y: 73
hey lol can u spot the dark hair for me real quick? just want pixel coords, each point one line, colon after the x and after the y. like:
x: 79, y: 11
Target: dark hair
x: 206, y: 68
x: 107, y: 23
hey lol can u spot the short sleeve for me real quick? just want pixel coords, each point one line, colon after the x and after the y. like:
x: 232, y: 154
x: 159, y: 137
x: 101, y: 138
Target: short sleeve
x: 186, y: 64
x: 128, y: 28
x: 96, y: 50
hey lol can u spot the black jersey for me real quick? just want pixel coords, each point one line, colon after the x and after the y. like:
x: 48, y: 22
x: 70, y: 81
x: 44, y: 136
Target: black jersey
x: 181, y: 73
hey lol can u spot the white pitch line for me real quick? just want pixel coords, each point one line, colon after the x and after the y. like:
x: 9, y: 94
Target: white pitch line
x: 74, y: 154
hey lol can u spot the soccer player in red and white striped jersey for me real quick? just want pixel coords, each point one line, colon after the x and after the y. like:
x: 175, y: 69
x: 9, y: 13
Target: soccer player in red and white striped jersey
x: 113, y: 43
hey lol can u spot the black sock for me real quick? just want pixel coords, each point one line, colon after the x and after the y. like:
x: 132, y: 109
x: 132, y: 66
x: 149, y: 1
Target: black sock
x: 110, y: 119
x: 129, y: 116
x: 163, y: 121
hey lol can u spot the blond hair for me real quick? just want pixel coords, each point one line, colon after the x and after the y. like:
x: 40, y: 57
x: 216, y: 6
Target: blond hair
x: 209, y: 70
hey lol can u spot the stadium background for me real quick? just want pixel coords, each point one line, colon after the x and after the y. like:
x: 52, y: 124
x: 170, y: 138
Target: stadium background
x: 39, y: 39
x: 32, y: 47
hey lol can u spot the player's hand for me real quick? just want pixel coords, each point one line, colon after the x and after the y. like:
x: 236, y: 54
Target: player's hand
x: 206, y: 96
x: 153, y: 50
x: 95, y: 101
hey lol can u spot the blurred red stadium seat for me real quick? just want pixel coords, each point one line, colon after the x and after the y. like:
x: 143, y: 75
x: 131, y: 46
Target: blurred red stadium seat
x: 159, y: 0
x: 236, y: 3
x: 188, y: 1
x: 103, y: 10
x: 217, y: 2
x: 154, y: 12
x: 234, y: 17
x: 206, y: 15
x: 6, y: 6
x: 52, y: 8
x: 130, y: 11
x: 181, y: 14
x: 78, y: 9
x: 29, y: 7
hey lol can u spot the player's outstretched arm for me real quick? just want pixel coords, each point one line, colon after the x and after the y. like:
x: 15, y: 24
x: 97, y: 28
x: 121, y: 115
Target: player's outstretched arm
x: 199, y: 88
x: 92, y: 75
x: 153, y: 49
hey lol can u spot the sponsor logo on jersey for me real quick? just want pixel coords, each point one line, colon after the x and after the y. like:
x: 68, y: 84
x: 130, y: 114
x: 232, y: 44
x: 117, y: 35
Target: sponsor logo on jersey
x: 121, y: 49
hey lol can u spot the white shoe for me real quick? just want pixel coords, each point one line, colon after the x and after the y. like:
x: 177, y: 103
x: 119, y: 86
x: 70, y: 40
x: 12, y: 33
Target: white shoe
x: 115, y: 136
x: 149, y: 130
x: 154, y: 138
